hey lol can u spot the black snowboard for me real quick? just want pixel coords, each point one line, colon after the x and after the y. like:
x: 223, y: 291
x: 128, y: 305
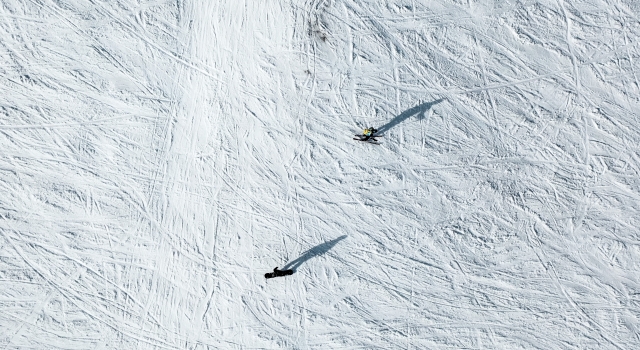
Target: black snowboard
x: 278, y: 273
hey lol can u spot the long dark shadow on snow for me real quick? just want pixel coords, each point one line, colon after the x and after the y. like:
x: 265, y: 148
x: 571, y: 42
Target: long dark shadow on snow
x: 420, y: 109
x: 313, y: 252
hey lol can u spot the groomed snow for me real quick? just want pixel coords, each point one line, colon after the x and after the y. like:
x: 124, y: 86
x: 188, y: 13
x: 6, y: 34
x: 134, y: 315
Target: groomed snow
x: 158, y: 157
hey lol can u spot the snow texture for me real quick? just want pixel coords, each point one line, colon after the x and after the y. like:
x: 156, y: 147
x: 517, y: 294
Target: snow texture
x: 158, y: 157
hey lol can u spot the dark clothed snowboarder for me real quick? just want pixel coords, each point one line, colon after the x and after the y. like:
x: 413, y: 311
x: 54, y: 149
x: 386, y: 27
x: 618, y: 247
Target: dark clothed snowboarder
x: 278, y: 273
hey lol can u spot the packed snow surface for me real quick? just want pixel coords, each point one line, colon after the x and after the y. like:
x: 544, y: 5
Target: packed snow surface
x: 158, y: 157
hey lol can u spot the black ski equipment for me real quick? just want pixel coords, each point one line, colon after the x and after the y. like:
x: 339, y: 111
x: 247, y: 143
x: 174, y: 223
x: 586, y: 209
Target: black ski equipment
x: 278, y: 273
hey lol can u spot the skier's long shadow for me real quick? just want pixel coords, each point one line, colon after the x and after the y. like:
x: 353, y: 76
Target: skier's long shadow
x: 313, y: 252
x: 420, y: 109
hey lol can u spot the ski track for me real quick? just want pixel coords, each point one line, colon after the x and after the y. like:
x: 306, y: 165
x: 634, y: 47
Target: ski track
x: 159, y: 157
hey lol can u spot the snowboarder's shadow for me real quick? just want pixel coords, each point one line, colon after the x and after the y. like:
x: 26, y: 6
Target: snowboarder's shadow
x: 313, y: 252
x: 419, y: 109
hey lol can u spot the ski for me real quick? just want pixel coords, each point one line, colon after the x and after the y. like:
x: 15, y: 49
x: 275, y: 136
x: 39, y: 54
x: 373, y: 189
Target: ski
x: 371, y: 136
x: 374, y: 142
x: 278, y: 273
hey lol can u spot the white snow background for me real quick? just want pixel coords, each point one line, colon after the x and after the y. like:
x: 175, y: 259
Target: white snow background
x: 158, y: 157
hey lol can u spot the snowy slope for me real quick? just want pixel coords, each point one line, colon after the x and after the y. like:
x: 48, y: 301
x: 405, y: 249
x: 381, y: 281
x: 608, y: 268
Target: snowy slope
x: 158, y: 157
